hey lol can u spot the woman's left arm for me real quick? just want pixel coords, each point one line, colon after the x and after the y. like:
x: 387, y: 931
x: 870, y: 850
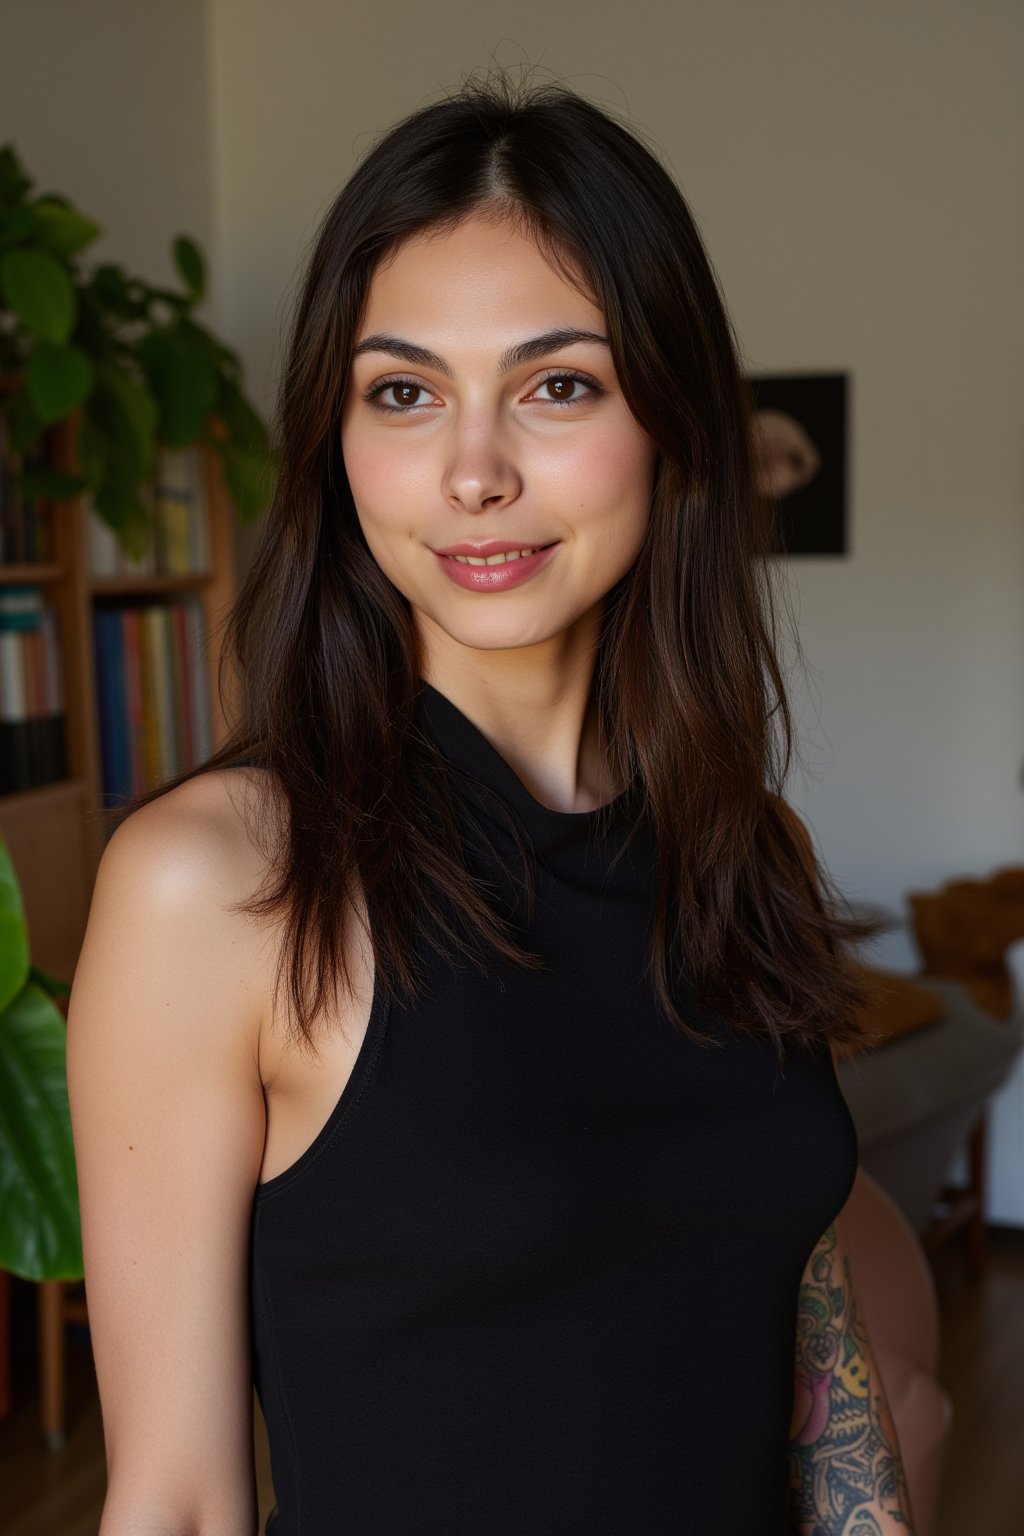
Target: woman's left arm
x: 845, y: 1472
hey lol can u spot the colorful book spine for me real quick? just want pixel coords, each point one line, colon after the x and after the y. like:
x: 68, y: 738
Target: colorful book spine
x: 131, y: 625
x: 154, y: 705
x: 32, y: 720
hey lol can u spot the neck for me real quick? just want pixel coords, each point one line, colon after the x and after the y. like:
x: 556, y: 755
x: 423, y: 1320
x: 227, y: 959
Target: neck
x: 547, y: 731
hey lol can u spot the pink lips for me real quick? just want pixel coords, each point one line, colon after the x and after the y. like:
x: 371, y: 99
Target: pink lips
x: 491, y: 578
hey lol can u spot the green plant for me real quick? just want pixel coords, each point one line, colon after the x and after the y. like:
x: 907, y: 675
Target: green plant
x: 131, y: 358
x: 40, y: 1232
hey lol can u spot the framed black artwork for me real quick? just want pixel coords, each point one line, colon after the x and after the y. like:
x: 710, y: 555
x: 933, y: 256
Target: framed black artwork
x: 802, y: 453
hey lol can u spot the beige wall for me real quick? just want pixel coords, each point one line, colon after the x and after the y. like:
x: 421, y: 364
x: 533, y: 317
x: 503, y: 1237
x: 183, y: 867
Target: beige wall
x: 106, y: 102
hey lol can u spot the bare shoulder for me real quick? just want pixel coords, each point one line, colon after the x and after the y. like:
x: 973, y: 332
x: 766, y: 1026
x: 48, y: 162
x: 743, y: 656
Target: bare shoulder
x: 169, y: 1122
x: 181, y: 864
x: 194, y: 839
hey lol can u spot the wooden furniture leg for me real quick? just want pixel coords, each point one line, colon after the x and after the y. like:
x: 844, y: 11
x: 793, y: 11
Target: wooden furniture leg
x: 962, y: 1207
x: 51, y: 1362
x: 977, y: 1227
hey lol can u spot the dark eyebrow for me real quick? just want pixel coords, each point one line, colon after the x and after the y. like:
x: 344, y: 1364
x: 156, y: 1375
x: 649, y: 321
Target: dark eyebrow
x: 512, y: 357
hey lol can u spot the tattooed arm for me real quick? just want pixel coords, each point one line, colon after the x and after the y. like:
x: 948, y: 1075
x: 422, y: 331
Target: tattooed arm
x: 845, y: 1473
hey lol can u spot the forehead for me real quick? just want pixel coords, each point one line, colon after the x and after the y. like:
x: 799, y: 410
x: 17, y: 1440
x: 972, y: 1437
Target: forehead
x: 486, y: 275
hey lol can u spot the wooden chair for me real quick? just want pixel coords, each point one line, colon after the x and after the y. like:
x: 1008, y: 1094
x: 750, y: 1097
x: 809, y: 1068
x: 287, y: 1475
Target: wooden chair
x: 60, y: 1302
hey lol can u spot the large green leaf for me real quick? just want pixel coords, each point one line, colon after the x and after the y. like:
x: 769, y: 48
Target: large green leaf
x: 16, y: 224
x: 40, y: 1230
x: 59, y: 378
x: 24, y: 429
x: 50, y: 484
x: 13, y: 181
x: 184, y: 381
x: 55, y: 985
x: 120, y: 504
x: 124, y: 415
x: 197, y: 338
x: 61, y: 228
x: 14, y: 958
x: 250, y: 480
x: 111, y: 287
x: 39, y: 291
x: 248, y: 434
x: 189, y: 262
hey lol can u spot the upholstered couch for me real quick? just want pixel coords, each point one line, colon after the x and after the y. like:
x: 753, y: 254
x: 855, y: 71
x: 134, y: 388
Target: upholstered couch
x: 916, y: 1098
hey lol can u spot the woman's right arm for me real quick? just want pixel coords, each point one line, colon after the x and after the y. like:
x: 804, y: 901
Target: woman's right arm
x: 168, y: 1119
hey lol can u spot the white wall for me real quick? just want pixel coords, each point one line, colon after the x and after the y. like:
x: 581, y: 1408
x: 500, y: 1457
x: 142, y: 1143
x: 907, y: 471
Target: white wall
x: 106, y: 103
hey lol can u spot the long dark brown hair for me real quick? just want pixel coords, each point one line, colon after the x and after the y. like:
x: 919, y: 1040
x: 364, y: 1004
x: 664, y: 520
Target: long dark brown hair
x: 691, y: 694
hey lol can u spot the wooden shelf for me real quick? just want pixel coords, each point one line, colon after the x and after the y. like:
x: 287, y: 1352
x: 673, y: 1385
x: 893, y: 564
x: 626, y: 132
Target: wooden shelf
x: 142, y: 586
x: 55, y: 832
x: 46, y: 796
x: 35, y: 573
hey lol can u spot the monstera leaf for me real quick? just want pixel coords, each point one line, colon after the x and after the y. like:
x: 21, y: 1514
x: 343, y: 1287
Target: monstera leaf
x: 40, y: 1235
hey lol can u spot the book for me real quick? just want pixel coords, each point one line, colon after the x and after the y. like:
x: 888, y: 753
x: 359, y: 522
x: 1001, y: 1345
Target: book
x: 151, y: 672
x: 32, y: 716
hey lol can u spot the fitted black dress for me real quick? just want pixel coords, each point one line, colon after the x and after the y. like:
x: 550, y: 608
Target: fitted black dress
x: 538, y: 1273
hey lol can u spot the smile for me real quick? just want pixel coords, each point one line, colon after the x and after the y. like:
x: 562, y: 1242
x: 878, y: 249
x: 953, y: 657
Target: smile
x: 511, y: 554
x: 495, y: 573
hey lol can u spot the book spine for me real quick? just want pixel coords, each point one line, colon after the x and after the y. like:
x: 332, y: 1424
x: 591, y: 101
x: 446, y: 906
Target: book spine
x: 176, y: 508
x: 199, y: 661
x: 131, y: 631
x: 102, y: 542
x: 103, y: 623
x: 164, y: 687
x: 15, y: 762
x: 182, y: 687
x: 31, y: 698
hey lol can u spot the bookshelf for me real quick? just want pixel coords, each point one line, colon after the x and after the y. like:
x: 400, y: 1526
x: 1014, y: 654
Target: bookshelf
x: 54, y: 831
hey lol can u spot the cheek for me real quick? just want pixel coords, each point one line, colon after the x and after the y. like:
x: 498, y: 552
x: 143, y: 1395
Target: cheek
x: 382, y: 484
x: 616, y: 483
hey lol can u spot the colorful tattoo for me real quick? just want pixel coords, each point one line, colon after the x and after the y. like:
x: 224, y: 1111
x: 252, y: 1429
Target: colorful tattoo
x: 846, y: 1476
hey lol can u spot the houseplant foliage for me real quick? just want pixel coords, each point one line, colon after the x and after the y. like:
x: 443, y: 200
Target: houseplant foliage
x: 40, y: 1233
x: 132, y: 359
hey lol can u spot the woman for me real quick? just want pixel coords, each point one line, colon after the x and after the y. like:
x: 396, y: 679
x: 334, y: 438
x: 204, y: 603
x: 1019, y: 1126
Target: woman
x: 518, y: 1199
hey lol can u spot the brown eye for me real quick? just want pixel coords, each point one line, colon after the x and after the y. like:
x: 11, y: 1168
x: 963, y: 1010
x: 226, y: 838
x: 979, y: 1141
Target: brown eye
x: 571, y: 388
x: 406, y: 391
x: 563, y: 387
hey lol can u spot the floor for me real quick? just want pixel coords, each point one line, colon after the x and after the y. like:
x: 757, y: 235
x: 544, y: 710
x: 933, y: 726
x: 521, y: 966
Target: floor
x: 61, y: 1494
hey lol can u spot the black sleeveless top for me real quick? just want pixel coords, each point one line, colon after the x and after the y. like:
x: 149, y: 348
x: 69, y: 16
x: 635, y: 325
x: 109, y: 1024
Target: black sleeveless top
x: 538, y: 1273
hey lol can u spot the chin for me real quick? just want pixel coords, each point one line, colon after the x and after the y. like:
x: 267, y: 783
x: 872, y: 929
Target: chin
x: 495, y: 635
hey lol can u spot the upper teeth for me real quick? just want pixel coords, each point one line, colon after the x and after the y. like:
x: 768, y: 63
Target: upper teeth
x: 512, y: 554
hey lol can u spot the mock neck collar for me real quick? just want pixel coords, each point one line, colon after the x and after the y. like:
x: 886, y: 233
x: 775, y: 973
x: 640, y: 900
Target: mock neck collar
x: 464, y: 744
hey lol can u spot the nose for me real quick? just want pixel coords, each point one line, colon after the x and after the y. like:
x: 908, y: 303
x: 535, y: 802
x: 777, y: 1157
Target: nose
x: 480, y: 474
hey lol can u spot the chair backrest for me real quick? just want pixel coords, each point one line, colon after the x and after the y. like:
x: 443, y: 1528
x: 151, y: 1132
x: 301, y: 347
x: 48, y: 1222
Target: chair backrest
x: 964, y: 931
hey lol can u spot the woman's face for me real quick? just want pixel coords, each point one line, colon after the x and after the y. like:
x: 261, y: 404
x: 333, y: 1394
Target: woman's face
x: 447, y: 440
